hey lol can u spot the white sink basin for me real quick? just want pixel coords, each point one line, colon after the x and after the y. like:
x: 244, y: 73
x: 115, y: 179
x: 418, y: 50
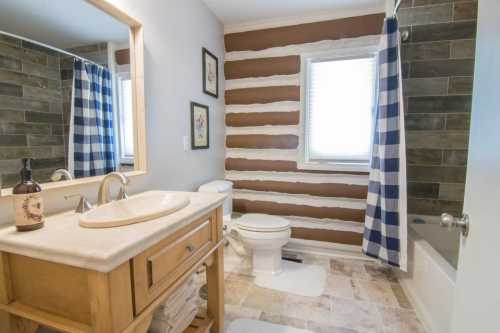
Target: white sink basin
x: 140, y: 208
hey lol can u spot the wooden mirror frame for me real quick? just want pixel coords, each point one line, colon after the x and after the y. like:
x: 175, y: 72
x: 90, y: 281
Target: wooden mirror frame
x: 136, y: 44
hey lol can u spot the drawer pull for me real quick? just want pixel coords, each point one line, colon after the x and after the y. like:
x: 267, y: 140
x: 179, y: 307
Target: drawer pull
x: 190, y: 247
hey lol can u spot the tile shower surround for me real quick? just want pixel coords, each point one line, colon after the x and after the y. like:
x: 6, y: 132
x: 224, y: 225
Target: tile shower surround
x: 31, y: 122
x: 438, y: 69
x: 35, y: 104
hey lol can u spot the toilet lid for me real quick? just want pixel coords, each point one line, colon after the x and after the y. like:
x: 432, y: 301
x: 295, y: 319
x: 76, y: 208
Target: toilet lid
x: 262, y: 223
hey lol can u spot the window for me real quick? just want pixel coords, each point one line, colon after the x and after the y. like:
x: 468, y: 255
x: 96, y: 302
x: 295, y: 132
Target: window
x: 126, y: 128
x: 338, y: 98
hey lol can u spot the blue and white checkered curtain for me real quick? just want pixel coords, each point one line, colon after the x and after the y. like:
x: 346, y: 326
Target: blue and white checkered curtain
x: 93, y: 133
x: 385, y: 235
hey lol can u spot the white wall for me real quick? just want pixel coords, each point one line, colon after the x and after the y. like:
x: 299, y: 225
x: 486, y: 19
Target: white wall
x: 477, y: 293
x: 389, y: 7
x: 174, y: 33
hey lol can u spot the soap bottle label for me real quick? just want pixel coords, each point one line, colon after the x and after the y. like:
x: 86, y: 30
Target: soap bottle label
x: 29, y: 209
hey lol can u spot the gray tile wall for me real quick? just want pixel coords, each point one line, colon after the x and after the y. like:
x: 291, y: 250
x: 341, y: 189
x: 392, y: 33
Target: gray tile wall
x: 31, y: 119
x: 35, y: 105
x: 438, y: 61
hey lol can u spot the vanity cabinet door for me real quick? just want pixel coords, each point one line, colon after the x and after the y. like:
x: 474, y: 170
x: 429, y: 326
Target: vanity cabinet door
x: 160, y: 266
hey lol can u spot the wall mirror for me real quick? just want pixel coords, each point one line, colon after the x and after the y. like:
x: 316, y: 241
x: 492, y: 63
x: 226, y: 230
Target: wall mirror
x: 71, y: 91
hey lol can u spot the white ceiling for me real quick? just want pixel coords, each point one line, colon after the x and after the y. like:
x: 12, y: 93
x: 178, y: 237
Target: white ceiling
x: 238, y: 12
x: 60, y: 23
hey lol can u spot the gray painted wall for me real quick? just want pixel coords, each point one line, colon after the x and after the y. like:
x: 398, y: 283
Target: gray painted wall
x: 174, y: 33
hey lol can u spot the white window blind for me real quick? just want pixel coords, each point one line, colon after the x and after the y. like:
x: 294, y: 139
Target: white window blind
x: 126, y: 119
x: 339, y: 108
x: 128, y: 123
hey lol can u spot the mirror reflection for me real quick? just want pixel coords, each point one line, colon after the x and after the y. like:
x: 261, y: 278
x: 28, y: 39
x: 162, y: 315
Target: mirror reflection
x: 65, y: 91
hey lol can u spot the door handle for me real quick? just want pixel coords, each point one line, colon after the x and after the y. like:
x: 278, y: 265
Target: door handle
x: 448, y: 221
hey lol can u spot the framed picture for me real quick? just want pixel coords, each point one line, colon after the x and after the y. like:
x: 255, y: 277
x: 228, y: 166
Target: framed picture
x: 199, y: 126
x: 210, y: 74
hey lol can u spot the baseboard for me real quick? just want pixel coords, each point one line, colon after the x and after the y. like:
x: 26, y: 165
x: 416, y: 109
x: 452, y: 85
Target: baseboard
x: 327, y: 249
x: 420, y: 309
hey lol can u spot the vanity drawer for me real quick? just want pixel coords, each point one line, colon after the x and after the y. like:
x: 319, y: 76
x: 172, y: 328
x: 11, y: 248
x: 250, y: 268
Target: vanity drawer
x: 187, y: 246
x: 160, y: 266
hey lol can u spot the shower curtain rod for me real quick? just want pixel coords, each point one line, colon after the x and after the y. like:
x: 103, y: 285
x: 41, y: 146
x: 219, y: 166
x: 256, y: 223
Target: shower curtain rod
x: 49, y: 47
x: 397, y: 7
x: 405, y: 34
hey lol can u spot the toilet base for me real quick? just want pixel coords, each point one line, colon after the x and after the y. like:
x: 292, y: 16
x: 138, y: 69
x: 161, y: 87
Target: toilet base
x: 267, y: 261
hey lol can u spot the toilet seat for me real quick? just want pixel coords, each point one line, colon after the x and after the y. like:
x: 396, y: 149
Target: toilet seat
x: 262, y: 223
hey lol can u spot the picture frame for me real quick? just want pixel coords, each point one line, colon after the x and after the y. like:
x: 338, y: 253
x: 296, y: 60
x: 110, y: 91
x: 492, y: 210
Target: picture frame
x: 210, y: 73
x: 200, y: 126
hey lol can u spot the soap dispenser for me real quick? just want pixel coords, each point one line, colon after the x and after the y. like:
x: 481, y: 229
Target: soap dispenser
x: 28, y: 202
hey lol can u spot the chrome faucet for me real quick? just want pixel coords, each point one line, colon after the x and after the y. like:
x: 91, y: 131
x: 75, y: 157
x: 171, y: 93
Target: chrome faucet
x: 60, y: 174
x: 103, y: 196
x: 83, y: 204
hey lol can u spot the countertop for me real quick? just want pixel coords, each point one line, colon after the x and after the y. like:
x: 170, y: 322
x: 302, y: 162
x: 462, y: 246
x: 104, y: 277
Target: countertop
x: 63, y: 241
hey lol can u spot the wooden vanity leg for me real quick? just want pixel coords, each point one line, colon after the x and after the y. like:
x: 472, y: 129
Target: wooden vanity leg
x: 215, y: 283
x: 111, y: 299
x: 13, y: 324
x: 8, y: 322
x: 22, y: 325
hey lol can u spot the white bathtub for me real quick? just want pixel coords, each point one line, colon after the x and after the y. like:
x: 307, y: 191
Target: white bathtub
x: 444, y: 241
x: 430, y: 280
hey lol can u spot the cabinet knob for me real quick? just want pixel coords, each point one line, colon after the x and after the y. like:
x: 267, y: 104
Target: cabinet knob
x: 190, y: 247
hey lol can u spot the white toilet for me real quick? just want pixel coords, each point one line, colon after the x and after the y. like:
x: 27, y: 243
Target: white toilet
x: 263, y: 234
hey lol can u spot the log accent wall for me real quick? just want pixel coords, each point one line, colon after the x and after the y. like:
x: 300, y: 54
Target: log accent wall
x: 262, y: 70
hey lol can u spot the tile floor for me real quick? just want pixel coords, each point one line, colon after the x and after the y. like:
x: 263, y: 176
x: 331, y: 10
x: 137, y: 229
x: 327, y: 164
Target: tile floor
x: 360, y: 297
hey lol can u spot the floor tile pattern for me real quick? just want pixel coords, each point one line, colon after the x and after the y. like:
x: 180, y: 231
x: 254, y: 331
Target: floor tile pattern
x: 360, y: 297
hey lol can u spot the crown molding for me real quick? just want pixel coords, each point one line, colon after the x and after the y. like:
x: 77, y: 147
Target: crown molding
x: 295, y: 20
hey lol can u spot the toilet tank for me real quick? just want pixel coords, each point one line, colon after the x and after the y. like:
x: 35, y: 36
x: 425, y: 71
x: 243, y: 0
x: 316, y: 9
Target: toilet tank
x: 221, y: 186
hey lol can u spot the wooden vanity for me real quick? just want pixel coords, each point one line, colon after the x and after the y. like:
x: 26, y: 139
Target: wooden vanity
x: 73, y: 279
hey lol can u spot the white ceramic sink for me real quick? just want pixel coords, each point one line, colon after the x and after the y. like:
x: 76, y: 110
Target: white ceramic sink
x: 140, y: 208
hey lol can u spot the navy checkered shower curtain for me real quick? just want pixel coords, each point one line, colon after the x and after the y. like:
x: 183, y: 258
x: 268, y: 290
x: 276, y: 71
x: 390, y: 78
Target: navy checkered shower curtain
x: 385, y: 235
x: 93, y: 132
